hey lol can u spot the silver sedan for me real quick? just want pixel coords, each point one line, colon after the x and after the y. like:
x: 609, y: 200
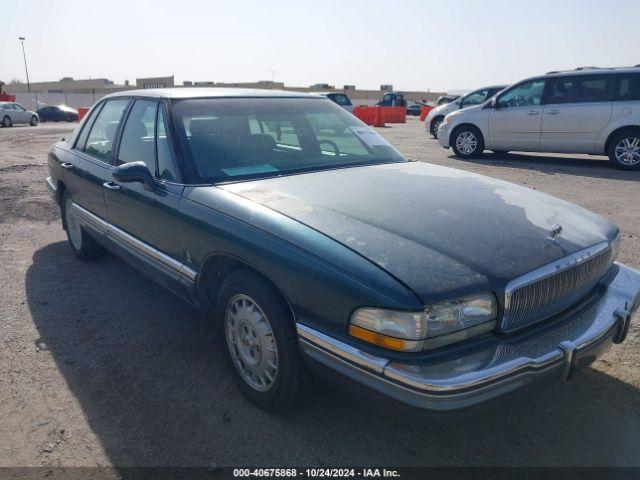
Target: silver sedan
x: 12, y: 113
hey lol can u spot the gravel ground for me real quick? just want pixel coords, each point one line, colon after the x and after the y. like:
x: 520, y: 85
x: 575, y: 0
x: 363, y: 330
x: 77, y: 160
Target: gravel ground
x: 99, y: 366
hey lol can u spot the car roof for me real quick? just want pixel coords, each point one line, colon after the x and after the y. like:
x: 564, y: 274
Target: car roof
x: 583, y: 71
x: 325, y: 94
x: 592, y: 70
x: 200, y: 92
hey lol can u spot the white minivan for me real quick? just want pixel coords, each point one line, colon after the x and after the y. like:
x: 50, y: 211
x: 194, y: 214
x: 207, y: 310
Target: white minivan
x: 593, y: 111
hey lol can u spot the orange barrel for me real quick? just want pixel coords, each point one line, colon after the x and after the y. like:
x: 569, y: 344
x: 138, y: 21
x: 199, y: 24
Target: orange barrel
x: 82, y: 111
x: 424, y: 111
x: 379, y: 118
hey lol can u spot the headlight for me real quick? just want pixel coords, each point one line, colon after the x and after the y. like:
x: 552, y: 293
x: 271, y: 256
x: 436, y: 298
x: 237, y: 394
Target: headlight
x: 439, y: 324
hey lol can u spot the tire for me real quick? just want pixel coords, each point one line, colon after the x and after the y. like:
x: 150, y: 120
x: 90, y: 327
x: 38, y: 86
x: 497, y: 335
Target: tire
x: 6, y: 121
x: 82, y: 244
x: 467, y: 142
x: 34, y: 121
x: 435, y: 124
x: 624, y: 149
x: 262, y: 322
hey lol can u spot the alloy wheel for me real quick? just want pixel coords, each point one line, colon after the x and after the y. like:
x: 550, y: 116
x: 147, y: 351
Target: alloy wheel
x: 466, y: 142
x: 435, y: 126
x: 627, y: 151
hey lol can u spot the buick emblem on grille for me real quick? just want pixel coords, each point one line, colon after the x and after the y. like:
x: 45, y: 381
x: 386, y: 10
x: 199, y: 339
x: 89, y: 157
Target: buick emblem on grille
x: 556, y: 230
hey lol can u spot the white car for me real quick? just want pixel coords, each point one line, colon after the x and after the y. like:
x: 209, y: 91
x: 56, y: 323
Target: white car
x: 476, y: 97
x: 592, y: 111
x: 12, y: 113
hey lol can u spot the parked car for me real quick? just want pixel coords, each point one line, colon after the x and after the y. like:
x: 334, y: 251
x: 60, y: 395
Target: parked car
x: 340, y: 98
x: 476, y: 97
x: 392, y: 99
x: 414, y: 109
x: 319, y: 250
x: 13, y: 113
x: 58, y: 113
x: 592, y: 111
x: 444, y: 99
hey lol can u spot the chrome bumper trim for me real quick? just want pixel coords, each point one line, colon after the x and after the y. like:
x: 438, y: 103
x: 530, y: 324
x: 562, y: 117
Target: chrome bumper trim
x: 128, y: 241
x: 51, y: 188
x: 491, y: 372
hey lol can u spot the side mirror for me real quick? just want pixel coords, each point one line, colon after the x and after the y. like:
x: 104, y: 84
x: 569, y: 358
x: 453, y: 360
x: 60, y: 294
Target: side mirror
x: 135, y: 172
x: 494, y: 103
x: 459, y: 103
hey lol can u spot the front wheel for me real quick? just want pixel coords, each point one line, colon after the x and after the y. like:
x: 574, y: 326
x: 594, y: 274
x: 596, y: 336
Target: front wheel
x: 467, y: 142
x: 435, y: 125
x: 624, y: 150
x: 261, y: 340
x: 34, y: 121
x: 82, y: 244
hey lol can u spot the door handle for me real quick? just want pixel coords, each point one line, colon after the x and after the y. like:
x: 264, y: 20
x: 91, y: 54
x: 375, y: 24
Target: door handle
x: 66, y: 165
x: 111, y: 185
x: 533, y: 112
x: 553, y: 112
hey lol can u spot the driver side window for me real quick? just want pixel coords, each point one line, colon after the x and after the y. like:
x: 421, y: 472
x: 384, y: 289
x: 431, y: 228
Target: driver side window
x: 524, y: 95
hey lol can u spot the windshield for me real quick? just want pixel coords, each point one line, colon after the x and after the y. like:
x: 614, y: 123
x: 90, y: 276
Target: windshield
x: 232, y: 138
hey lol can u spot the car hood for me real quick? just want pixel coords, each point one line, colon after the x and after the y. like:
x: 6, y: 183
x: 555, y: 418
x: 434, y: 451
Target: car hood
x: 441, y: 110
x: 439, y: 231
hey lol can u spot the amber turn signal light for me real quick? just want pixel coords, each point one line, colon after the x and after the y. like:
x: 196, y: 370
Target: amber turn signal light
x: 377, y: 338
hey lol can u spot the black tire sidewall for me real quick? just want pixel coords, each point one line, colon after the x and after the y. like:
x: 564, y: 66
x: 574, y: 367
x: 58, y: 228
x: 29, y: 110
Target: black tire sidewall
x: 280, y: 318
x: 34, y: 121
x: 89, y: 248
x: 432, y: 129
x: 479, y: 146
x: 4, y: 119
x: 611, y: 153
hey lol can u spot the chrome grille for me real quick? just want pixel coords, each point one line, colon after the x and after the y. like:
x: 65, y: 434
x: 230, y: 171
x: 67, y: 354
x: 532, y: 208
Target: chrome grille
x: 552, y: 288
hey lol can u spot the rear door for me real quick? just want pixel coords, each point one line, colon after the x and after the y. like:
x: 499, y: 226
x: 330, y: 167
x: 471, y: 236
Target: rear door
x: 149, y: 215
x: 87, y: 166
x: 21, y: 114
x: 515, y: 122
x: 577, y: 109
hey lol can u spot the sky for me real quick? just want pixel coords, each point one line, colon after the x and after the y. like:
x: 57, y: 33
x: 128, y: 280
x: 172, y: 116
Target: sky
x: 412, y: 44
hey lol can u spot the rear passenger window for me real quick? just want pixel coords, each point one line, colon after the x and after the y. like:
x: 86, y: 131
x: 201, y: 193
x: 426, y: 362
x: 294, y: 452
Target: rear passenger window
x: 579, y: 89
x: 628, y: 87
x: 137, y: 143
x: 100, y: 140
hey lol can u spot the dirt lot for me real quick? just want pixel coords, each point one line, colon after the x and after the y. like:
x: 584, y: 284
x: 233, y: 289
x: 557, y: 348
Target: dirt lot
x: 99, y: 366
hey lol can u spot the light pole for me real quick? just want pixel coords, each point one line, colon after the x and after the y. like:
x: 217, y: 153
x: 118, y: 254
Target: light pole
x: 26, y: 70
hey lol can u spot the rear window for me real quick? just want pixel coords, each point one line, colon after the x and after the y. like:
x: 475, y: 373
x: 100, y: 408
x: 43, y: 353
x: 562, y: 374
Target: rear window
x: 340, y: 99
x: 628, y: 87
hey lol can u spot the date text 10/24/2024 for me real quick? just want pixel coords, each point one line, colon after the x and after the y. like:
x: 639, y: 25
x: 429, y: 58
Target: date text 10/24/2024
x: 316, y: 472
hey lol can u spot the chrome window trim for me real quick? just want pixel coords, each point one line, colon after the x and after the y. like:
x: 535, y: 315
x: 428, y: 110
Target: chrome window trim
x: 123, y: 238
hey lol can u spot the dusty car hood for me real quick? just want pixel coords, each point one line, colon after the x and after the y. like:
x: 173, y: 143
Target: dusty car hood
x: 438, y: 230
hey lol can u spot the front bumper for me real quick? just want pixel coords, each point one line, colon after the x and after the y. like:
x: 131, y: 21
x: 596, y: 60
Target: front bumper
x: 443, y: 135
x: 492, y: 372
